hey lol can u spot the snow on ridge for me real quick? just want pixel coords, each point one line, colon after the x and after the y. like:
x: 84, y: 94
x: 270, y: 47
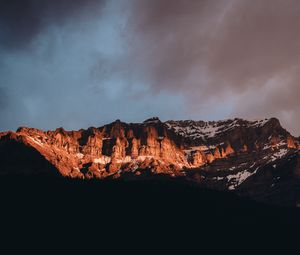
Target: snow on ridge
x: 259, y: 123
x: 193, y: 129
x: 35, y: 140
x: 279, y: 154
x: 209, y: 129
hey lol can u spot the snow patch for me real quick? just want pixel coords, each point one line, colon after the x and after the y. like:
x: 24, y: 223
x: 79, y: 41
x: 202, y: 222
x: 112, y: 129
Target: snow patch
x: 103, y: 160
x: 127, y: 159
x: 143, y: 158
x: 35, y: 140
x: 279, y: 154
x: 76, y: 169
x: 79, y: 155
x: 252, y: 165
x: 238, y: 178
x: 218, y: 178
x: 259, y: 123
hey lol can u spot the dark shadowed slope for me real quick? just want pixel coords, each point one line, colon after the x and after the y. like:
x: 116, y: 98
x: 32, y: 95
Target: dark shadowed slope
x: 161, y: 200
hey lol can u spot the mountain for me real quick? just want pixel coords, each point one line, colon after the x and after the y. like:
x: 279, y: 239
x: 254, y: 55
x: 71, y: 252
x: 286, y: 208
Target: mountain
x: 255, y: 159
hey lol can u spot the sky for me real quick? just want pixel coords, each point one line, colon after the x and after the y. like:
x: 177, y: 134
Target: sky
x: 81, y: 63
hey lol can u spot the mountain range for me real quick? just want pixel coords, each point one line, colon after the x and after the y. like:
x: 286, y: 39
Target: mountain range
x: 256, y: 159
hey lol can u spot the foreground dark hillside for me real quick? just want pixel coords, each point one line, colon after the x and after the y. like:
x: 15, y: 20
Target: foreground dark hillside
x: 164, y: 200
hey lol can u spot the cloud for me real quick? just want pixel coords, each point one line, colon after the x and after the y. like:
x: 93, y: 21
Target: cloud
x: 101, y: 60
x: 54, y: 82
x: 220, y: 50
x: 3, y: 98
x: 22, y: 21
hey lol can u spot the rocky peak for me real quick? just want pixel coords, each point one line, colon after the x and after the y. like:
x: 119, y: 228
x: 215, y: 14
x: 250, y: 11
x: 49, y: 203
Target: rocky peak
x: 152, y: 120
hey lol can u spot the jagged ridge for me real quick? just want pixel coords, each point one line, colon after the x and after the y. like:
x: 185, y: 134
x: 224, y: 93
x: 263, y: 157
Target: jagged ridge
x: 219, y: 154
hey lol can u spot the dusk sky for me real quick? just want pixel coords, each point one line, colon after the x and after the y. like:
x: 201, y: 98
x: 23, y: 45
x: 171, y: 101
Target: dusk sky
x: 81, y: 63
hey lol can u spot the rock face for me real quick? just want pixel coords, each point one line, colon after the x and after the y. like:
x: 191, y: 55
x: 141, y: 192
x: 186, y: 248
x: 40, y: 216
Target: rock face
x: 226, y: 155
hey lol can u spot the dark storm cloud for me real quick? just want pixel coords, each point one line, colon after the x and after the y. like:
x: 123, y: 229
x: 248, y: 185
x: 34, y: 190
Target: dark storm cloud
x: 234, y: 40
x: 169, y: 39
x: 22, y: 20
x: 238, y: 51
